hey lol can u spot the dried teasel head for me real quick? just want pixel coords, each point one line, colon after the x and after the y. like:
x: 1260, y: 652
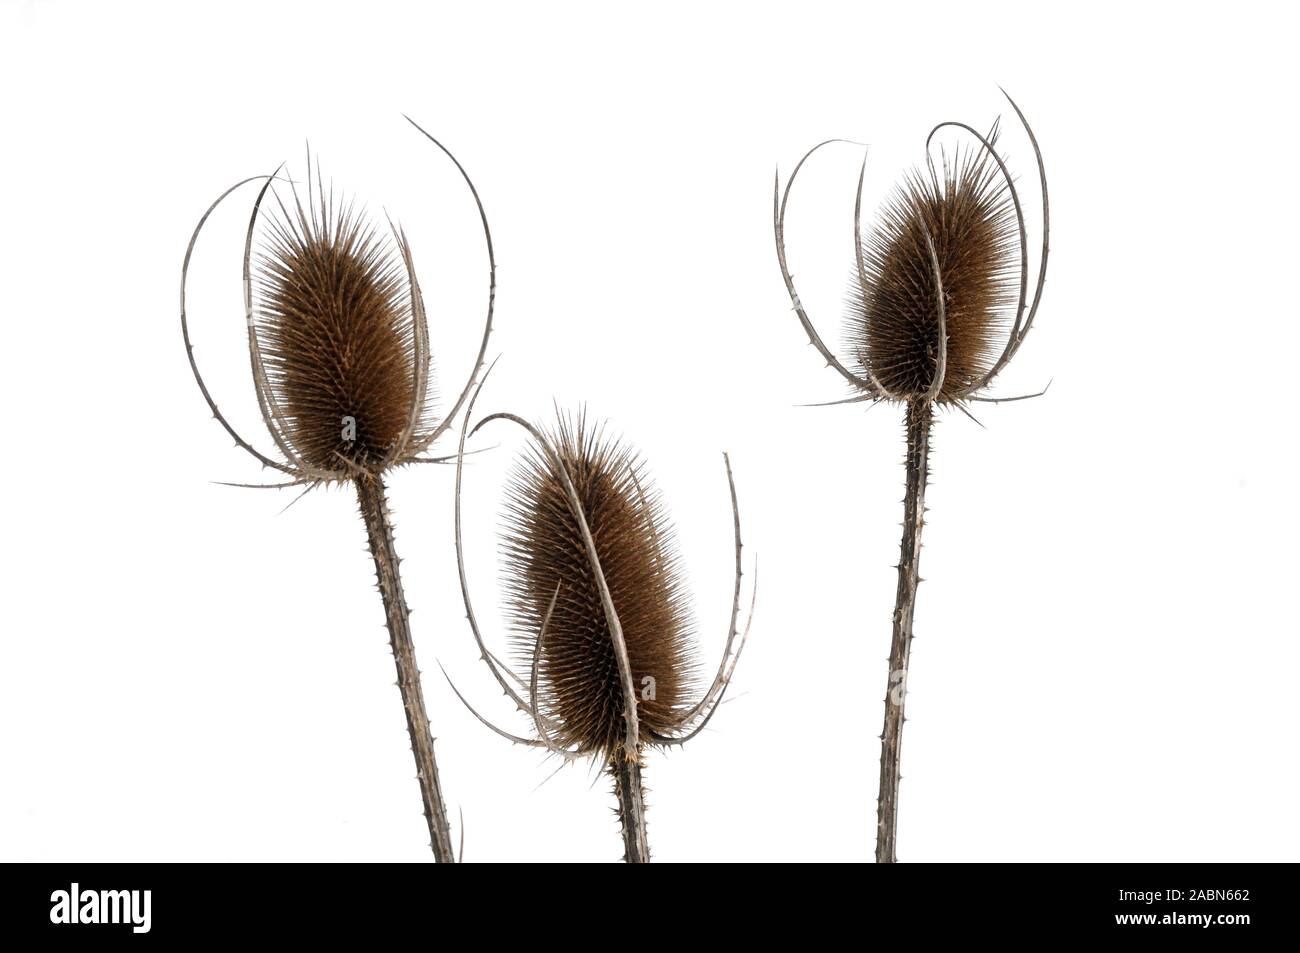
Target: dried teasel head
x: 939, y: 296
x: 596, y: 596
x: 343, y: 361
x: 340, y: 358
x: 945, y: 246
x: 580, y: 691
x: 595, y: 593
x: 337, y: 335
x: 934, y: 288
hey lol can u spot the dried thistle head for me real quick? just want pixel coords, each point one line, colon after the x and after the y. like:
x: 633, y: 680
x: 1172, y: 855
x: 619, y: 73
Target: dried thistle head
x: 938, y: 301
x: 580, y: 688
x: 337, y: 336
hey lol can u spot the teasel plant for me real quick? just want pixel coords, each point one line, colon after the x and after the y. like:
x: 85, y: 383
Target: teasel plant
x: 338, y: 342
x: 939, y: 305
x: 595, y: 594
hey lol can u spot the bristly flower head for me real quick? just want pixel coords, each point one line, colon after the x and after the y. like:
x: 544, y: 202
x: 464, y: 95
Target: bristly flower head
x: 339, y: 328
x: 337, y: 336
x: 597, y: 599
x: 938, y: 300
x: 964, y: 220
x: 580, y: 688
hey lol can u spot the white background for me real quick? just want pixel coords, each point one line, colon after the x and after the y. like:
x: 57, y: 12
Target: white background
x: 1107, y: 647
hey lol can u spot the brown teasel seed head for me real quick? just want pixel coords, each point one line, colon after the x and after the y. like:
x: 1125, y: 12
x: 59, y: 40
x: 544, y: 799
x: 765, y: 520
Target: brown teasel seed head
x: 580, y: 692
x: 336, y: 326
x: 892, y: 328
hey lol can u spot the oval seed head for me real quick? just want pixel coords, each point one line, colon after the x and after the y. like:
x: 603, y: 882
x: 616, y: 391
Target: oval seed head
x: 893, y: 322
x: 580, y: 692
x: 335, y: 320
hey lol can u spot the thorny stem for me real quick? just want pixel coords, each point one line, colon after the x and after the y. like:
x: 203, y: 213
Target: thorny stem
x: 631, y: 806
x: 379, y: 527
x: 920, y: 413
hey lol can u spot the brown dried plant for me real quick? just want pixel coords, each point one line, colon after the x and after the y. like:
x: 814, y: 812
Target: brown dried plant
x: 939, y: 306
x: 339, y: 347
x: 595, y: 593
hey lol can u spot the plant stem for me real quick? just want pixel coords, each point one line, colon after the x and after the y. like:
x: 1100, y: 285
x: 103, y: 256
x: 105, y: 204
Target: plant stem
x: 631, y: 806
x: 919, y: 417
x: 379, y: 527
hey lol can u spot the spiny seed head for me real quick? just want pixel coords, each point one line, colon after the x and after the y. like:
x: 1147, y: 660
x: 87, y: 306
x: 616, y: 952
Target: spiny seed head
x: 336, y: 325
x: 579, y: 688
x: 892, y: 328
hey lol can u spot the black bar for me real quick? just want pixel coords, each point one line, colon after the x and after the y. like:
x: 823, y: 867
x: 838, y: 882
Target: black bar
x: 1223, y: 903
